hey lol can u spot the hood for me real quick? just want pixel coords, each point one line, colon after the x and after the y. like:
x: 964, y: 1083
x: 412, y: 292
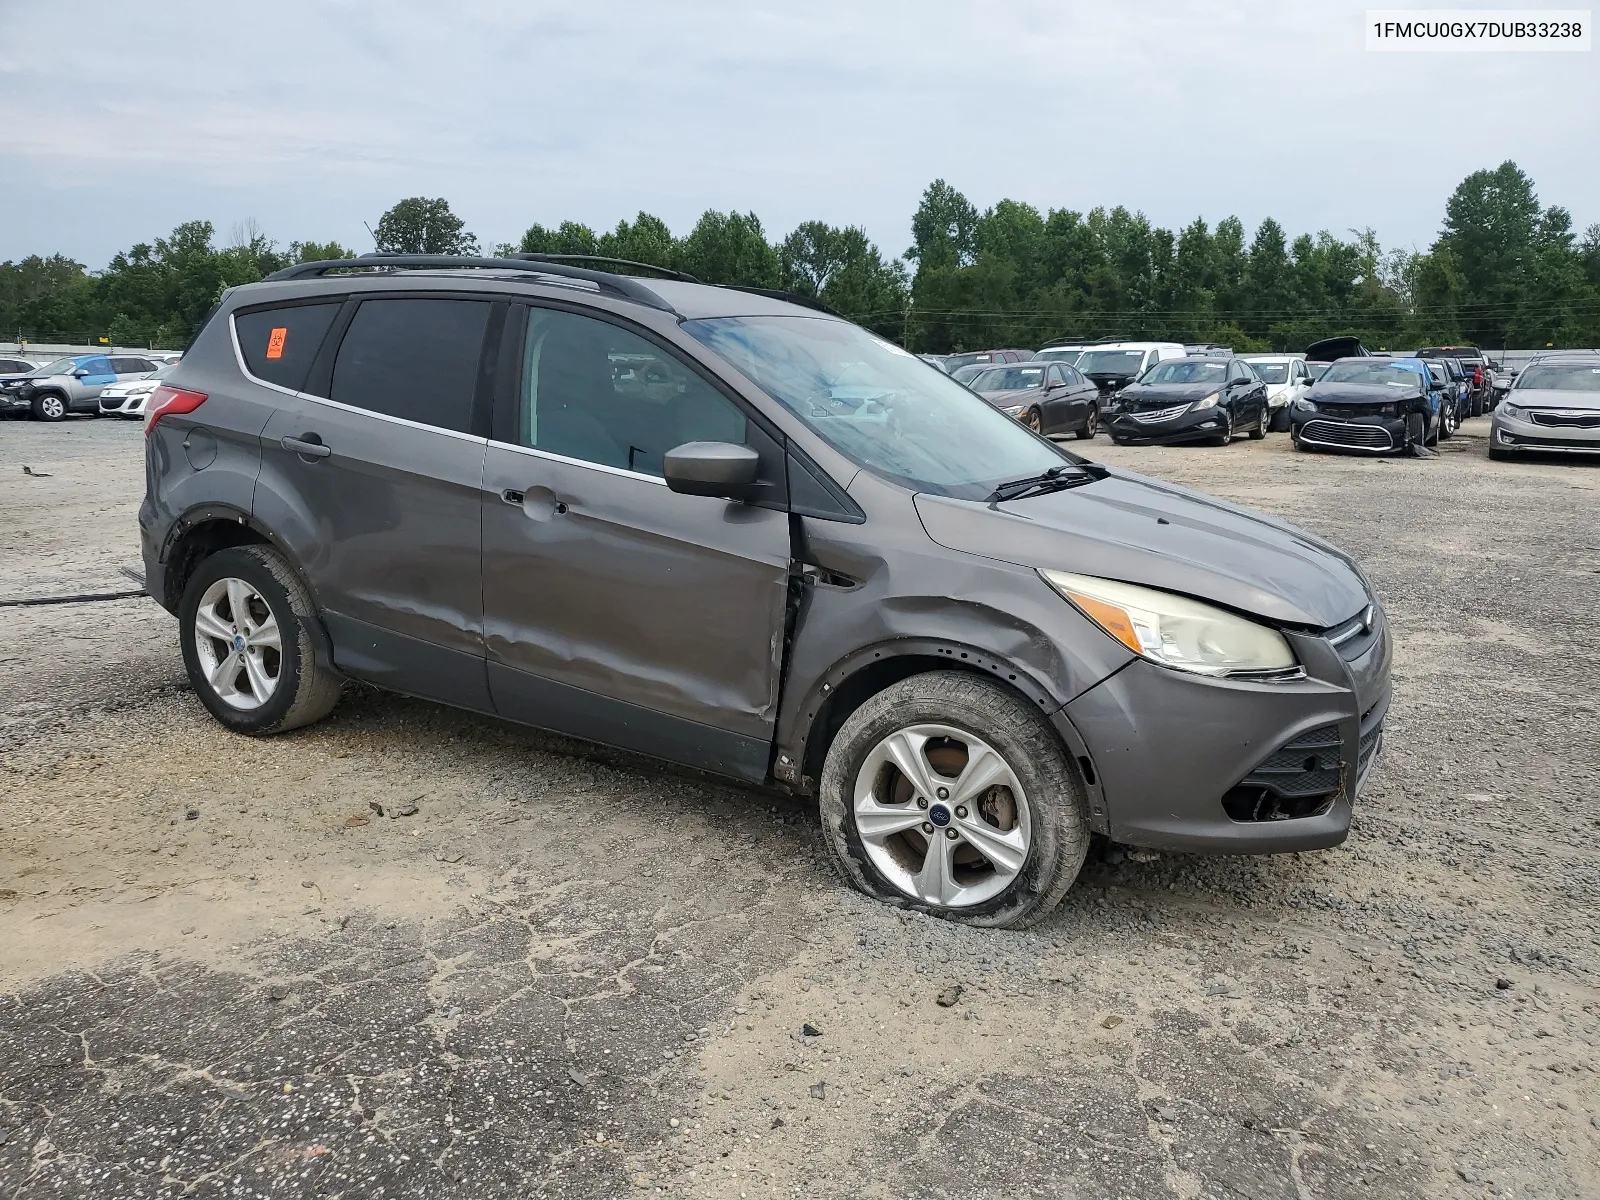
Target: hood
x: 1138, y: 530
x: 1330, y: 349
x: 1361, y: 393
x: 1159, y: 395
x: 1543, y: 398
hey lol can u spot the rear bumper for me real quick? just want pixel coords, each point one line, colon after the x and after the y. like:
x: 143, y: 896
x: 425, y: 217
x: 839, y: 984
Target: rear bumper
x: 1185, y: 762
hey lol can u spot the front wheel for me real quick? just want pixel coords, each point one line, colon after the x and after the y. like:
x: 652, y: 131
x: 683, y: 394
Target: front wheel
x: 1226, y: 436
x: 1448, y: 422
x: 49, y: 407
x: 246, y: 624
x: 949, y: 793
x: 1034, y: 420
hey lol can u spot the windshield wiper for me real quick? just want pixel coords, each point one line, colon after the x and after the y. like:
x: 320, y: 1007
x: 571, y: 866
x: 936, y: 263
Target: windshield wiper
x: 1053, y: 480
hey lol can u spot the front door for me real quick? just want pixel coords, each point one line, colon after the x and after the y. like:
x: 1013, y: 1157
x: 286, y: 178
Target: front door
x: 375, y: 486
x: 615, y: 609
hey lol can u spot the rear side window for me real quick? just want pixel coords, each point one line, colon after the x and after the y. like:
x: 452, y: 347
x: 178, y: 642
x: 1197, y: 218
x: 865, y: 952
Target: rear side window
x: 278, y: 344
x: 414, y: 359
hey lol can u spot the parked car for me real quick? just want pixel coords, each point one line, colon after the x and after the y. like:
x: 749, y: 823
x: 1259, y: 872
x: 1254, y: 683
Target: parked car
x: 1113, y: 366
x: 1480, y: 395
x: 10, y: 369
x: 985, y: 358
x: 70, y: 384
x: 129, y: 399
x: 936, y: 361
x: 1191, y: 399
x: 1067, y: 352
x: 1554, y: 407
x: 1448, y: 398
x: 1368, y: 405
x: 1458, y: 404
x: 970, y: 372
x: 971, y: 646
x: 1287, y: 377
x: 1047, y: 397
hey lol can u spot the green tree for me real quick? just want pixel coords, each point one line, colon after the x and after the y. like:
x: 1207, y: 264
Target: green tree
x: 944, y: 230
x: 302, y: 252
x: 567, y: 238
x: 1489, y: 227
x: 419, y: 225
x: 730, y: 248
x: 1267, y: 285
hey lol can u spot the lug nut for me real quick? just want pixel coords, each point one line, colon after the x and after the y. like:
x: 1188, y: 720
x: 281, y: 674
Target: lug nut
x: 922, y: 802
x: 944, y: 793
x: 927, y: 827
x: 951, y: 834
x: 961, y: 811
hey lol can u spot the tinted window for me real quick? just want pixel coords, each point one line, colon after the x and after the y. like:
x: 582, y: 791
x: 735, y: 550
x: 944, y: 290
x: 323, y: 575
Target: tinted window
x: 1055, y: 377
x: 14, y: 366
x: 131, y: 366
x: 596, y: 392
x: 278, y: 344
x: 414, y: 359
x: 1072, y: 376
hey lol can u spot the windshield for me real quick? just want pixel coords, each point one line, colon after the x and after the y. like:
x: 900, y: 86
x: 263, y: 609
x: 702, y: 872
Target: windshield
x: 1370, y: 374
x: 1008, y: 379
x: 1111, y: 362
x: 1211, y: 374
x: 1560, y: 377
x: 61, y: 366
x: 916, y: 427
x: 952, y: 361
x: 1063, y: 355
x: 969, y: 372
x: 1270, y: 372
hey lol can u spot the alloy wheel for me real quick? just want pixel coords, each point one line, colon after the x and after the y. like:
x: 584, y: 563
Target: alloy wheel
x: 238, y: 643
x: 53, y: 408
x: 1035, y: 420
x: 942, y: 816
x: 1091, y: 424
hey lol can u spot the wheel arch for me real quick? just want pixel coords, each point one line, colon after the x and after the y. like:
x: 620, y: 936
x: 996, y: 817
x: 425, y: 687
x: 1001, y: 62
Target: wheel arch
x: 864, y: 673
x: 203, y: 531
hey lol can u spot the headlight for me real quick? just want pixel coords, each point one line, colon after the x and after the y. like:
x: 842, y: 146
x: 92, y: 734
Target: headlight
x: 1173, y: 630
x: 1512, y: 411
x: 1305, y: 405
x: 1013, y: 410
x: 1209, y: 402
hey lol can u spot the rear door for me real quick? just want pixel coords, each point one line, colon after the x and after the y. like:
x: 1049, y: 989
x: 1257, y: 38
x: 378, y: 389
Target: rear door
x: 97, y: 373
x: 614, y: 608
x: 372, y: 473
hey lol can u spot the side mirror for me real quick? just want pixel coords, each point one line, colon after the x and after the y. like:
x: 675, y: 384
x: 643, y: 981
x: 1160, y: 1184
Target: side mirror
x: 711, y: 469
x: 80, y: 373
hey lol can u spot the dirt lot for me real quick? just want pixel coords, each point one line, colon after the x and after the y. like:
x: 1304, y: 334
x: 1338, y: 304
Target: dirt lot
x: 570, y: 974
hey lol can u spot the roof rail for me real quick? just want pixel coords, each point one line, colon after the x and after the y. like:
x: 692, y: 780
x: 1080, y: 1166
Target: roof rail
x: 682, y: 276
x: 617, y: 285
x: 800, y: 298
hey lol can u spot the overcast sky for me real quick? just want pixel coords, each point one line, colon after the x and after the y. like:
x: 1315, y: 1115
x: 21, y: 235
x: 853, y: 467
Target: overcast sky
x: 311, y: 116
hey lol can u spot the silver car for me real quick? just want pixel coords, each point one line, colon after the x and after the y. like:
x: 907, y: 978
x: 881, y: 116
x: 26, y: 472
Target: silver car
x: 1554, y: 407
x: 129, y: 399
x: 71, y: 384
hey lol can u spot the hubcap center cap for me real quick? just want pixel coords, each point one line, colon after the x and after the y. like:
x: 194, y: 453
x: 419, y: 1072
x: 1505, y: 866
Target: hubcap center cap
x: 939, y: 815
x: 238, y: 641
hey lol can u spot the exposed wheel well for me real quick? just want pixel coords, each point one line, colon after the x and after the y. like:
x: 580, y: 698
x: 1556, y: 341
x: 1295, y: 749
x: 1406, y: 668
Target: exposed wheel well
x: 858, y: 688
x: 199, y: 542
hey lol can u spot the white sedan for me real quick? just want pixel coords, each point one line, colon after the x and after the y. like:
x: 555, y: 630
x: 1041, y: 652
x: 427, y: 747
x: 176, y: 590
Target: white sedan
x: 1287, y: 378
x: 129, y: 399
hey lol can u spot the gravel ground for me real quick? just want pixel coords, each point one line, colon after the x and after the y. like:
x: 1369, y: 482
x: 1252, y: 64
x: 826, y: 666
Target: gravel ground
x: 573, y: 974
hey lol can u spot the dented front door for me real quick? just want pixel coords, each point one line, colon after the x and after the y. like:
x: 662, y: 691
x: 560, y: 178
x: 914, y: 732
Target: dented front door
x: 620, y: 611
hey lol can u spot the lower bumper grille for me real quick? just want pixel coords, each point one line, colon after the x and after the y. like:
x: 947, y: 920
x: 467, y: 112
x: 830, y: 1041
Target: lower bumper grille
x: 1340, y: 433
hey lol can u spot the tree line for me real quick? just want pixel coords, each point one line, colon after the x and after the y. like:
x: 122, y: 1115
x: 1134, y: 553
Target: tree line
x: 1503, y: 271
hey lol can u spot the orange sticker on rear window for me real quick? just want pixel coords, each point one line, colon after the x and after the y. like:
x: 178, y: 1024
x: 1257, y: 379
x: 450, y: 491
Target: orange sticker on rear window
x: 276, y: 341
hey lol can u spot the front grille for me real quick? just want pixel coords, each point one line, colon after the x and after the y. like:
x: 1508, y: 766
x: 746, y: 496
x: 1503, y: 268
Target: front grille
x: 1353, y: 638
x: 1338, y: 433
x: 1364, y: 410
x: 1158, y: 414
x: 1567, y: 420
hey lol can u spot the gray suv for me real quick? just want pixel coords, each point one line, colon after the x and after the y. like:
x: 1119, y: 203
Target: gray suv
x: 722, y: 528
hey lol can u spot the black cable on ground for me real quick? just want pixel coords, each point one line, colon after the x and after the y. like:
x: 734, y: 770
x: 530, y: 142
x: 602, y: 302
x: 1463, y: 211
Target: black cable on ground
x: 83, y: 598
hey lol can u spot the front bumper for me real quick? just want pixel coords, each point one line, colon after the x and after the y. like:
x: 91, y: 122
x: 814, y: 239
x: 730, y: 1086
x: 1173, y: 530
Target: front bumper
x: 1151, y: 429
x: 1186, y: 762
x: 1553, y: 434
x: 16, y: 399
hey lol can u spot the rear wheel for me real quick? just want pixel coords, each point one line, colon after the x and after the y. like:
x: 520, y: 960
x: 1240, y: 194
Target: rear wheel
x: 949, y: 793
x: 1279, y: 422
x: 1091, y: 424
x: 1259, y: 429
x: 246, y: 624
x: 49, y: 407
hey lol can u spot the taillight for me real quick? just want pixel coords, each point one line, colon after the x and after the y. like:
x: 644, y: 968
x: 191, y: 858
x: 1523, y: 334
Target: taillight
x: 165, y: 400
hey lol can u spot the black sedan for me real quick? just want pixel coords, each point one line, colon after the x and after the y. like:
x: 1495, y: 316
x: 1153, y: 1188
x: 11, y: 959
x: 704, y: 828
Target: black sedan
x: 1191, y: 400
x: 1369, y: 406
x: 1047, y: 397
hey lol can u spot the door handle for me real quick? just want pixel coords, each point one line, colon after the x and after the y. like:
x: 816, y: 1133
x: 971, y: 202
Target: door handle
x: 538, y: 503
x: 309, y: 446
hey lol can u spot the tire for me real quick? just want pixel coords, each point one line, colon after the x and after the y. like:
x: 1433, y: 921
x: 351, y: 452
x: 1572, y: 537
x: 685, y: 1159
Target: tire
x: 1280, y: 421
x: 51, y: 406
x: 1499, y: 455
x: 1091, y: 424
x: 1259, y: 429
x: 297, y: 690
x: 1119, y: 440
x: 1051, y: 814
x: 1034, y: 420
x: 1448, y: 421
x: 1226, y: 436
